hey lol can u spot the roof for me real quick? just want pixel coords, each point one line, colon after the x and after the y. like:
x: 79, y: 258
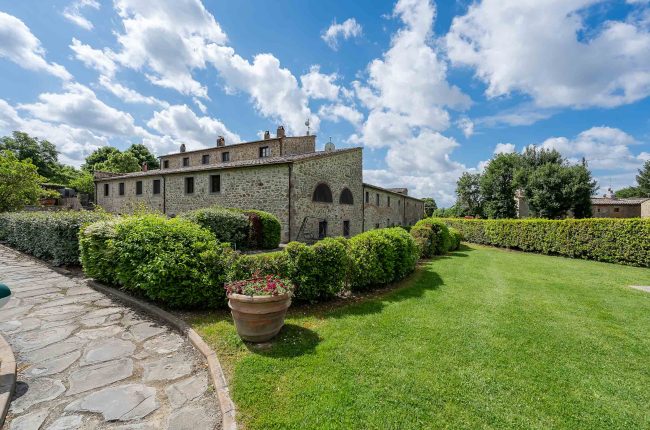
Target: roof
x: 618, y: 202
x: 392, y: 191
x: 286, y: 159
x: 211, y: 148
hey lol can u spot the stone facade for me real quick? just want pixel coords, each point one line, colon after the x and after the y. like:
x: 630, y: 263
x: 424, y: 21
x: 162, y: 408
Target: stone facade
x: 387, y: 208
x: 282, y: 181
x: 620, y: 208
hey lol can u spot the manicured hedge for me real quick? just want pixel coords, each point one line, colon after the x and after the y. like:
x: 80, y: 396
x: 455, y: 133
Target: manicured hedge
x: 228, y: 225
x: 172, y: 261
x: 432, y: 237
x: 51, y: 236
x: 625, y: 241
x: 455, y: 237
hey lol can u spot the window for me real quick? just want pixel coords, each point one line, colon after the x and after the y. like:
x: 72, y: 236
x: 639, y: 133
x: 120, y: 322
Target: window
x: 616, y: 209
x: 377, y: 199
x: 166, y: 164
x: 598, y: 210
x: 106, y: 190
x: 367, y: 197
x: 156, y: 186
x: 120, y: 188
x: 189, y: 185
x: 322, y: 229
x: 377, y: 225
x: 388, y: 201
x: 322, y: 193
x: 346, y: 228
x: 346, y: 197
x: 186, y: 161
x: 265, y: 152
x: 138, y: 187
x: 215, y: 183
x: 225, y: 157
x: 205, y: 159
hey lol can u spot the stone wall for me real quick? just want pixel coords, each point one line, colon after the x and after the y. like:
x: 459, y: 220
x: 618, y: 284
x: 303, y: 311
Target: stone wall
x: 338, y: 170
x: 384, y: 208
x: 130, y: 202
x: 610, y: 211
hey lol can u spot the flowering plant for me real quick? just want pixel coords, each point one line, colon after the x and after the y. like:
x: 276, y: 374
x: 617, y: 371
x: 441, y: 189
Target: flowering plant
x: 269, y: 285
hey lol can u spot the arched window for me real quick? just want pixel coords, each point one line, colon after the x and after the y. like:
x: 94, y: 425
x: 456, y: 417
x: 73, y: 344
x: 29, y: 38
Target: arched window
x: 346, y: 197
x: 322, y: 193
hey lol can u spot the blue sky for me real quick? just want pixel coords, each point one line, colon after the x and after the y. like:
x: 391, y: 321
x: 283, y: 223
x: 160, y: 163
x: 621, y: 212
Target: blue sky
x: 430, y: 89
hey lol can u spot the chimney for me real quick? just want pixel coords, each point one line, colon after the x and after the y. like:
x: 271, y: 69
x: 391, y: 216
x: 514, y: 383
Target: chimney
x: 182, y: 147
x: 280, y: 132
x: 221, y: 141
x: 267, y: 135
x: 145, y: 167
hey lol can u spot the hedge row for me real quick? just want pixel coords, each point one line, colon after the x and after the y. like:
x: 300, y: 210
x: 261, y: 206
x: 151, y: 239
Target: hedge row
x: 625, y: 241
x: 243, y: 229
x: 51, y: 236
x: 433, y: 237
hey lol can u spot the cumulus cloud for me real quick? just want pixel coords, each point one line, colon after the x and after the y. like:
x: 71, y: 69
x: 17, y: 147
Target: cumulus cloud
x: 18, y: 44
x: 100, y: 60
x: 320, y: 86
x: 533, y: 47
x: 72, y: 12
x: 466, y: 125
x: 348, y: 29
x: 504, y: 148
x: 180, y: 123
x: 337, y: 112
x: 129, y: 95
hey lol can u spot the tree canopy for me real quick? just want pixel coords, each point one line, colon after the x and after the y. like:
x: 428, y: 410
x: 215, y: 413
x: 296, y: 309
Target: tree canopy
x: 430, y: 205
x: 19, y: 182
x: 119, y: 162
x: 111, y: 159
x: 469, y: 199
x: 498, y: 186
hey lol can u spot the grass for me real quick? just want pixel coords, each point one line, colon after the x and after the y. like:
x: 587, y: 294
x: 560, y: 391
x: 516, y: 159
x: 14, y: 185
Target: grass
x: 481, y: 338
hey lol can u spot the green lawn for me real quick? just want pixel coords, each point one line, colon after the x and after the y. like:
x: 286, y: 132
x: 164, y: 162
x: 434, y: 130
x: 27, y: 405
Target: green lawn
x: 481, y: 338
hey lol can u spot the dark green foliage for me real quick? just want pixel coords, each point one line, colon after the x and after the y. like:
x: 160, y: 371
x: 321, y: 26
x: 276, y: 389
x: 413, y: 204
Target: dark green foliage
x: 431, y: 236
x: 498, y: 186
x: 643, y: 179
x: 41, y: 153
x: 99, y: 155
x: 265, y: 229
x: 171, y: 261
x: 247, y: 265
x: 629, y: 192
x: 52, y: 236
x: 378, y: 257
x: 19, y: 182
x: 228, y: 225
x: 625, y: 241
x: 468, y: 191
x: 143, y: 155
x: 430, y: 205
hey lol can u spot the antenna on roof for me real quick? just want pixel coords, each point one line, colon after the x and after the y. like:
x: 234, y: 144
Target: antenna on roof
x: 329, y: 146
x: 307, y: 124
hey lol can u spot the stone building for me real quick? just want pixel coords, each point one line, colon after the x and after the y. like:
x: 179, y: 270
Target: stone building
x: 314, y: 194
x: 612, y: 207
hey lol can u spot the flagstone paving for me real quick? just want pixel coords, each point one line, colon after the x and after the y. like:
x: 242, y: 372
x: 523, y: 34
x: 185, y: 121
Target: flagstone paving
x: 86, y: 361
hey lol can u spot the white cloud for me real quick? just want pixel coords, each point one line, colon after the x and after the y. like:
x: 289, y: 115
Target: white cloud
x: 348, y: 29
x: 180, y: 123
x: 72, y: 12
x: 18, y: 44
x: 129, y: 95
x: 336, y: 112
x: 504, y: 148
x: 102, y: 61
x: 320, y: 86
x: 532, y: 47
x: 78, y: 106
x: 203, y: 108
x: 466, y: 125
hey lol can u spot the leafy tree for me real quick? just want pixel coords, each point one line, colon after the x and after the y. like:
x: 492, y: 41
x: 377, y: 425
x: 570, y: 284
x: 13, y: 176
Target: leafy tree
x: 468, y: 190
x: 143, y: 155
x: 498, y: 186
x: 582, y: 187
x: 629, y: 192
x: 119, y: 162
x: 643, y: 179
x: 19, y: 182
x: 99, y: 155
x: 451, y: 212
x: 549, y: 191
x: 429, y: 205
x: 83, y: 183
x: 41, y: 153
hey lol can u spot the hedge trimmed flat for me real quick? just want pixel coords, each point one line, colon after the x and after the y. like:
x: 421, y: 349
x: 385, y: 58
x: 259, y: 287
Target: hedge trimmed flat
x: 5, y: 294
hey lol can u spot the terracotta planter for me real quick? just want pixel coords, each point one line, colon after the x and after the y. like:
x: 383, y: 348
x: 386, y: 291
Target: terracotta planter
x: 47, y: 202
x: 258, y: 318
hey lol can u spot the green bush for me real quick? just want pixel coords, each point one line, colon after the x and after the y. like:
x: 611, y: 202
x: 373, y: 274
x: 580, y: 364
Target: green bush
x: 378, y: 257
x: 432, y: 237
x: 625, y: 241
x: 51, y: 236
x: 265, y: 230
x: 455, y: 238
x: 97, y: 249
x: 247, y: 265
x: 170, y: 261
x: 228, y: 225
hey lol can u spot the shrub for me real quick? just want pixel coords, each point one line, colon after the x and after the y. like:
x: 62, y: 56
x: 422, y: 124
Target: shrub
x: 625, y: 241
x: 379, y: 257
x: 265, y: 230
x: 227, y: 225
x: 51, y: 236
x: 97, y: 249
x: 431, y: 236
x: 246, y: 265
x: 455, y: 237
x: 171, y: 261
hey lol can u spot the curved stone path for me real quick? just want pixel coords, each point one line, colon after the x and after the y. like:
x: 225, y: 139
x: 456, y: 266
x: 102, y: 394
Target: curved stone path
x: 86, y: 361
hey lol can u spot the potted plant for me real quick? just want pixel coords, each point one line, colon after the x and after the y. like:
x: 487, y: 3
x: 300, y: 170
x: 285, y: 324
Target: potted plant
x: 259, y: 305
x: 49, y: 197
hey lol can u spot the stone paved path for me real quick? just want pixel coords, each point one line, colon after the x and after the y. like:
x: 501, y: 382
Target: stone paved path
x: 88, y: 362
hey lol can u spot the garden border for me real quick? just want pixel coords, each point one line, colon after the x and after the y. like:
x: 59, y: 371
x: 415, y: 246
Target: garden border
x: 226, y: 404
x: 7, y: 377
